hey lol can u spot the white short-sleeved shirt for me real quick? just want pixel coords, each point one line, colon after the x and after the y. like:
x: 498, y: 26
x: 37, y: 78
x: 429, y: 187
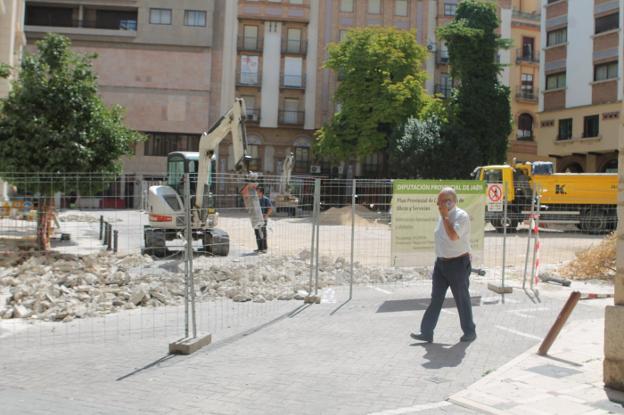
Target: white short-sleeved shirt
x: 444, y: 246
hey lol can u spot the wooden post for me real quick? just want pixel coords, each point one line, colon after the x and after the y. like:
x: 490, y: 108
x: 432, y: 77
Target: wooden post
x: 559, y: 323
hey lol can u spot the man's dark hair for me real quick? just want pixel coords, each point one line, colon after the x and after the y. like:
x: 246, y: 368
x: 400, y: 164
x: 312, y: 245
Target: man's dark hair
x: 260, y: 189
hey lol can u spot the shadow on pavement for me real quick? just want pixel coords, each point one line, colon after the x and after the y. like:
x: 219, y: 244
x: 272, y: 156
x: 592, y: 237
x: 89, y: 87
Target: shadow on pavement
x: 439, y: 355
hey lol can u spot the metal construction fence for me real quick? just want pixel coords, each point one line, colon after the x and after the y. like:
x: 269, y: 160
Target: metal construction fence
x: 325, y: 237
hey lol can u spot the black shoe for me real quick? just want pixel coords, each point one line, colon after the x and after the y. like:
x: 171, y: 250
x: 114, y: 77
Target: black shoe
x: 421, y: 337
x: 468, y: 337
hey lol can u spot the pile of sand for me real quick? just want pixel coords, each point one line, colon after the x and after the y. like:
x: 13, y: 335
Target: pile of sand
x: 342, y: 216
x: 597, y: 262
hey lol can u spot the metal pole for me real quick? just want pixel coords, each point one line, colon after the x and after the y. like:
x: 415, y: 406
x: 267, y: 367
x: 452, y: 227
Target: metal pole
x: 105, y: 232
x: 189, y: 250
x: 536, y: 242
x: 559, y: 323
x: 353, y: 196
x: 187, y: 223
x: 109, y: 235
x: 101, y: 226
x: 115, y: 240
x: 313, y: 237
x: 530, y: 236
x: 318, y: 228
x: 504, y: 237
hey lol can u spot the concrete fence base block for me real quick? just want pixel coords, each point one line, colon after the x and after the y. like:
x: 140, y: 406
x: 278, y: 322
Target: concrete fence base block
x: 312, y: 299
x: 190, y: 345
x: 499, y: 289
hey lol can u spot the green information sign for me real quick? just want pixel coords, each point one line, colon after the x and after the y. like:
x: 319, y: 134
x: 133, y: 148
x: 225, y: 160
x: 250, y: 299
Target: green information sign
x: 415, y: 216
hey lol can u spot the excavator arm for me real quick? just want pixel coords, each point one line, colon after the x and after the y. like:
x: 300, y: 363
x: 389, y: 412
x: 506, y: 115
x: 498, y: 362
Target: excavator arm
x: 232, y: 122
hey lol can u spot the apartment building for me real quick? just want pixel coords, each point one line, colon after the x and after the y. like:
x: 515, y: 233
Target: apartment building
x: 521, y: 23
x: 11, y: 37
x: 581, y: 80
x: 154, y: 58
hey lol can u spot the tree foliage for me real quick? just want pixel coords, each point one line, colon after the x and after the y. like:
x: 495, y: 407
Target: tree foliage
x: 54, y: 121
x: 480, y: 113
x: 5, y: 70
x: 381, y: 85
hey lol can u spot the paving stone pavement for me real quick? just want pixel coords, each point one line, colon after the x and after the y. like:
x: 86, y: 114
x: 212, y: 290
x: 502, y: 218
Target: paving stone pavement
x: 353, y: 358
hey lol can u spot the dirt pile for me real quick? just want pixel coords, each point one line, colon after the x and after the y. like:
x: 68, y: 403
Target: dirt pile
x: 342, y: 216
x: 597, y: 262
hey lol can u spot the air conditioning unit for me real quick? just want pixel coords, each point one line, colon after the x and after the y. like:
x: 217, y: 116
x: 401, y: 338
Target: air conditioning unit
x: 315, y: 169
x: 253, y: 116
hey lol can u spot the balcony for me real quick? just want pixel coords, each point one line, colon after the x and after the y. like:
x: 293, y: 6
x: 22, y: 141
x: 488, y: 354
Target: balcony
x: 293, y: 81
x: 526, y: 56
x: 526, y: 15
x: 294, y: 47
x: 524, y: 135
x: 249, y: 44
x: 253, y: 116
x: 442, y: 57
x: 248, y: 79
x: 444, y: 90
x: 291, y: 117
x: 527, y: 94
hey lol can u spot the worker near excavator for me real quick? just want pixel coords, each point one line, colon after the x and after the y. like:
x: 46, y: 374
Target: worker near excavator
x: 267, y: 210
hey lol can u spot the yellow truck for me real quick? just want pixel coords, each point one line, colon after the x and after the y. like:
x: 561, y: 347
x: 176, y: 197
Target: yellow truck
x: 587, y: 200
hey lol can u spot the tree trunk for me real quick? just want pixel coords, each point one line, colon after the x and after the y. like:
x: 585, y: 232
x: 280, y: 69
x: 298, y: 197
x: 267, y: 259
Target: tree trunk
x: 44, y: 219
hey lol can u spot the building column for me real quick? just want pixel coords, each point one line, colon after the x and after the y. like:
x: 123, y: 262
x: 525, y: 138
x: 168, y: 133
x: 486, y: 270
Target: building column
x: 271, y: 62
x: 591, y: 163
x: 613, y: 364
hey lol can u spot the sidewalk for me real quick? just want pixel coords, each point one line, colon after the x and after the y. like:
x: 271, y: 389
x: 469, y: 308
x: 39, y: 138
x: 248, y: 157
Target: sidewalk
x: 568, y: 381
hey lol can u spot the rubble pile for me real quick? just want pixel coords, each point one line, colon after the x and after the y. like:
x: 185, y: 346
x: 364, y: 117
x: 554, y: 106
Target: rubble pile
x: 61, y: 287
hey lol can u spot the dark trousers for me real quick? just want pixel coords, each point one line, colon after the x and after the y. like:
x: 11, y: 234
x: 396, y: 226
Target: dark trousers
x: 454, y: 273
x: 261, y: 237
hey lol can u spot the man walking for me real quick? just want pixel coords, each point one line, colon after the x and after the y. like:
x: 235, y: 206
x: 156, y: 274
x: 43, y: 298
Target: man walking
x: 452, y: 268
x: 267, y: 210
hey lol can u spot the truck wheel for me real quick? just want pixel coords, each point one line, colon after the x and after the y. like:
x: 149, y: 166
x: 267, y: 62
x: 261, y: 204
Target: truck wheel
x: 595, y: 221
x: 155, y: 242
x: 216, y: 242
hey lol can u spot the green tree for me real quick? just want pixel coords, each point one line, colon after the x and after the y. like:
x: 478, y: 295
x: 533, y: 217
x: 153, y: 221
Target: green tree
x: 5, y: 70
x: 53, y: 121
x: 381, y: 85
x: 480, y: 113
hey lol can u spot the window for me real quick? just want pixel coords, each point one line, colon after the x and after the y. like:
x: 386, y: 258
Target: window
x: 527, y: 82
x: 565, y: 129
x: 525, y: 127
x: 450, y: 9
x: 606, y: 23
x: 302, y: 159
x: 400, y: 7
x: 605, y: 71
x: 556, y: 81
x: 250, y: 38
x: 295, y: 1
x: 528, y: 48
x: 290, y: 114
x: 293, y: 44
x: 160, y: 16
x: 293, y: 72
x: 194, y: 18
x: 591, y: 126
x: 161, y: 144
x: 374, y: 6
x: 253, y: 114
x: 253, y: 150
x: 248, y: 70
x: 346, y: 6
x: 557, y: 37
